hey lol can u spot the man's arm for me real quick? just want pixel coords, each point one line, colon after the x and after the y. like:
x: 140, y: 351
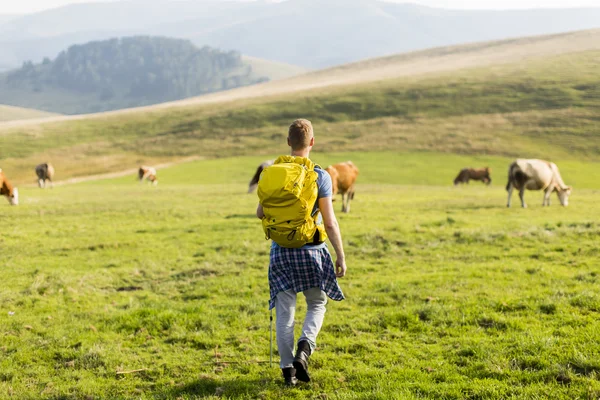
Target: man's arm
x: 260, y: 212
x: 335, y: 237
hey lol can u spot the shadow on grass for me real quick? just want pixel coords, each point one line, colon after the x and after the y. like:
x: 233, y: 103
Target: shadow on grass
x: 498, y: 206
x: 205, y: 387
x: 201, y: 387
x: 241, y: 216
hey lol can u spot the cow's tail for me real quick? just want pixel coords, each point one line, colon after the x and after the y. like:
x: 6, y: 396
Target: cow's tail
x: 510, y: 175
x: 254, y: 181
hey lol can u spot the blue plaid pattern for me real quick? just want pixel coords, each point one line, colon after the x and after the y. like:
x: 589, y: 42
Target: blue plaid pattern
x: 302, y: 269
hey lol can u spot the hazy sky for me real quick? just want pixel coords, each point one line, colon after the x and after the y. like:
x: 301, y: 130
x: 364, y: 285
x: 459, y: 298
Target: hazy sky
x: 28, y: 6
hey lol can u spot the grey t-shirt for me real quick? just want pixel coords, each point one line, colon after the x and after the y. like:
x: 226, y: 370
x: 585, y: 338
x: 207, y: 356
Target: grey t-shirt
x: 325, y: 190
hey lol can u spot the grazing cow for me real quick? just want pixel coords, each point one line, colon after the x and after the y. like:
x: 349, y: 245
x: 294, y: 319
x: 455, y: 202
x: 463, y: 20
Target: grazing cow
x: 476, y: 174
x: 148, y: 173
x: 254, y: 181
x: 44, y: 172
x: 8, y: 190
x: 537, y: 175
x: 343, y: 177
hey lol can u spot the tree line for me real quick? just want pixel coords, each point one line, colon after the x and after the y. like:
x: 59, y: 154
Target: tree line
x: 146, y: 69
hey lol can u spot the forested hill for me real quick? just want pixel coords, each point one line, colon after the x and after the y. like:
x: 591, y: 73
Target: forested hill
x: 122, y: 73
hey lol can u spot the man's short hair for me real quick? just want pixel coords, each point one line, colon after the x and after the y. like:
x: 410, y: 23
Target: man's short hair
x: 300, y: 134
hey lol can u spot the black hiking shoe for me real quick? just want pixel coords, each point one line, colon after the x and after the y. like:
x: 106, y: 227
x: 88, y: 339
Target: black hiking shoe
x: 289, y: 376
x: 301, y: 361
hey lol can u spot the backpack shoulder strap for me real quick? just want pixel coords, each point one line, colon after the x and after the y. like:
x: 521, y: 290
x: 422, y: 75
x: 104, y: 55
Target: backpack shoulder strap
x: 297, y: 160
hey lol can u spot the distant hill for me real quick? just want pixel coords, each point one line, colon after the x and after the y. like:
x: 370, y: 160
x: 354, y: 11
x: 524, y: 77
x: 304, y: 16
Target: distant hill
x: 14, y: 53
x: 309, y: 33
x: 413, y: 65
x: 9, y: 113
x: 341, y: 31
x: 120, y: 73
x: 532, y: 97
x: 273, y: 69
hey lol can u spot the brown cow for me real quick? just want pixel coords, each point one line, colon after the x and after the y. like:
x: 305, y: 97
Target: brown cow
x: 254, y: 181
x: 536, y: 175
x: 44, y: 172
x: 476, y: 174
x: 343, y: 177
x: 8, y: 190
x: 148, y: 173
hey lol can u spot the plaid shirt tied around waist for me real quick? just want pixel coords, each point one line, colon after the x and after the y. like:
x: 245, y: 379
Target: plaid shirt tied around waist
x: 302, y: 269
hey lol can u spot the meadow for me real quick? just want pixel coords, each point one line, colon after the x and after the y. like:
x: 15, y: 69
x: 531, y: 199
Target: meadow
x: 116, y: 290
x: 112, y: 289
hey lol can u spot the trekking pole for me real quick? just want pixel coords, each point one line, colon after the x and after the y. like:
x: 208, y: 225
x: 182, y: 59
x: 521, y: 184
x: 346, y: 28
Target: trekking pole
x: 271, y: 341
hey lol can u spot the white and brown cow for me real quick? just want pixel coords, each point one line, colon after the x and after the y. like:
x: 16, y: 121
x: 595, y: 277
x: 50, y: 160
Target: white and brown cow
x: 148, y: 173
x: 254, y: 181
x: 44, y: 172
x: 343, y: 177
x: 536, y: 175
x: 8, y: 190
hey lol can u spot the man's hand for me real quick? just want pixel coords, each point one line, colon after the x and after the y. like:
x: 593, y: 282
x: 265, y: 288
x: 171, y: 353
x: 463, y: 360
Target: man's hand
x: 340, y: 267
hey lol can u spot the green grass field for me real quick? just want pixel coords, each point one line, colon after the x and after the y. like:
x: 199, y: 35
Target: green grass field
x: 114, y: 289
x: 449, y: 294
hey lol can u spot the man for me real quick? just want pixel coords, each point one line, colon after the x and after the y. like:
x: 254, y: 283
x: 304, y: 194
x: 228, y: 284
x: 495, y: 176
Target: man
x: 308, y: 269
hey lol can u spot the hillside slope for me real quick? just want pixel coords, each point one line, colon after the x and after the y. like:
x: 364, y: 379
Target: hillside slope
x: 408, y: 66
x: 272, y: 69
x: 541, y: 105
x: 325, y: 33
x: 10, y: 113
x: 415, y: 64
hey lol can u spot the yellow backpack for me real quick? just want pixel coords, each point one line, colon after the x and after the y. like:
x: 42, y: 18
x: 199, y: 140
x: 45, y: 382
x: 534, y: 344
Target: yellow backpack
x: 288, y: 192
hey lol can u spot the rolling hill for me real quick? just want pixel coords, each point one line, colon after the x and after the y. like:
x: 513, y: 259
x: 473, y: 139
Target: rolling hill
x: 531, y: 97
x: 415, y: 64
x: 10, y: 113
x: 407, y: 65
x: 334, y: 31
x: 272, y: 69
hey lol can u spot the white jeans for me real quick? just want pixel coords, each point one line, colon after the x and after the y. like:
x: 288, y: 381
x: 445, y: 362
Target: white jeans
x: 285, y: 310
